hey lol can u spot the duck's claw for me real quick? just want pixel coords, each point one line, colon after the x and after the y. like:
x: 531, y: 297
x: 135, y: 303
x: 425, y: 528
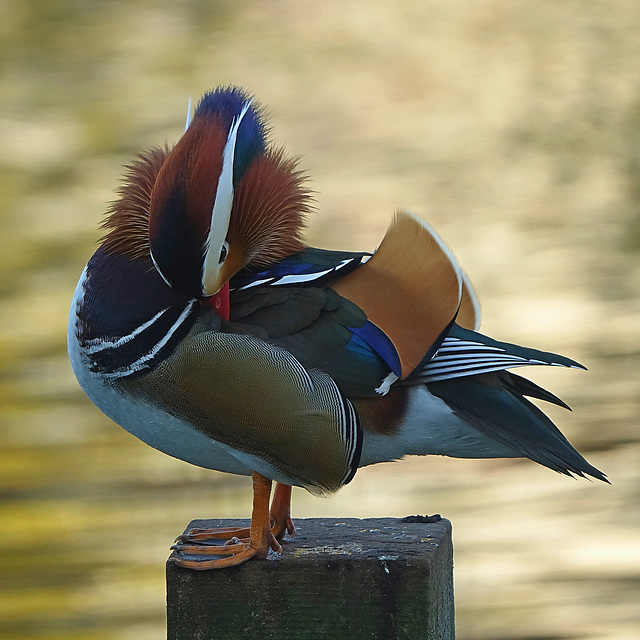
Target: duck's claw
x: 234, y: 554
x: 280, y: 512
x: 205, y: 535
x: 200, y: 548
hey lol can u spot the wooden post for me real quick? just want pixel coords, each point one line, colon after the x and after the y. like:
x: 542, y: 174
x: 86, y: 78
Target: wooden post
x: 349, y: 579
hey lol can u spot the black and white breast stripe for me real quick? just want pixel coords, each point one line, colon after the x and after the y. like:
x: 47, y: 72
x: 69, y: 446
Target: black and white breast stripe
x: 144, y: 347
x: 352, y: 435
x: 457, y: 358
x: 345, y: 419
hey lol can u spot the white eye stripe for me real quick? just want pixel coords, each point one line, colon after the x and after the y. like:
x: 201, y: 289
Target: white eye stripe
x: 222, y: 207
x: 189, y: 115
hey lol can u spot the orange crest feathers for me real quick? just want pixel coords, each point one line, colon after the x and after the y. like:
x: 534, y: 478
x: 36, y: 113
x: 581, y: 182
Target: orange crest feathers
x: 267, y: 220
x: 128, y: 216
x: 269, y: 210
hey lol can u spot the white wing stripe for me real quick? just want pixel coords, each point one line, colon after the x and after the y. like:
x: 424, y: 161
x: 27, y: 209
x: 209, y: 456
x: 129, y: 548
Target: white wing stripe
x: 472, y: 357
x: 457, y: 358
x: 295, y: 278
x: 455, y: 344
x: 304, y: 277
x: 469, y: 366
x: 448, y: 375
x: 256, y: 283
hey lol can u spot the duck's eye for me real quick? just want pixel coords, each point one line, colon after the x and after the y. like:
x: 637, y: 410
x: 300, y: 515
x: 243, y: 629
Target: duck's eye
x: 224, y: 252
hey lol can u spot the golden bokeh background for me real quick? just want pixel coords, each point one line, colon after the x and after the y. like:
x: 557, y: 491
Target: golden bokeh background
x: 512, y: 126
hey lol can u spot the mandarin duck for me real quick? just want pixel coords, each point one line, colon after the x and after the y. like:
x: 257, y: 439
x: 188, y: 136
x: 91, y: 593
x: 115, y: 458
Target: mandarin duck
x: 205, y: 326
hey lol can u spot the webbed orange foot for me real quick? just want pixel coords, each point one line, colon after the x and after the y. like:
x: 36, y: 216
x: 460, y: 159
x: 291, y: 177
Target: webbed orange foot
x: 203, y: 549
x: 202, y: 536
x: 234, y: 552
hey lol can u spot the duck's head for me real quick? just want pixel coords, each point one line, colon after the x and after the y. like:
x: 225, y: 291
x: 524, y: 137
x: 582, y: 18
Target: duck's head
x: 222, y: 199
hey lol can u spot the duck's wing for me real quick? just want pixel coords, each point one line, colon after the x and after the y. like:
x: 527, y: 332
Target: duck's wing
x: 412, y: 289
x: 320, y: 329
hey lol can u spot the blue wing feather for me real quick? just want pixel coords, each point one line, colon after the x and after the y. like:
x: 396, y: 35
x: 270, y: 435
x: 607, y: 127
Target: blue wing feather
x: 377, y: 341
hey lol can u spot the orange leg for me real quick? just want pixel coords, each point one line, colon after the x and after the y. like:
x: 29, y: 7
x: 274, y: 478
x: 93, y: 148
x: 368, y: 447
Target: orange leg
x: 281, y: 512
x: 236, y: 551
x: 281, y: 522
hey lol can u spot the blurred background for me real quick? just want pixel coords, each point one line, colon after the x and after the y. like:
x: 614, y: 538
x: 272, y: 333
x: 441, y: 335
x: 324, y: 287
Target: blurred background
x: 512, y: 126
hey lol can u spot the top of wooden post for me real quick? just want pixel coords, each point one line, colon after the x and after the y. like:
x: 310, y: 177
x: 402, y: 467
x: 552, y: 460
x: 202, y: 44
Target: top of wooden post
x: 338, y: 578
